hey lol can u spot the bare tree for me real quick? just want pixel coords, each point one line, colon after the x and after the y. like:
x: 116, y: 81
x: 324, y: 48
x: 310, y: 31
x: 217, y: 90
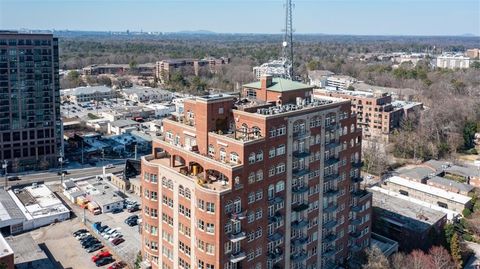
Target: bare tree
x: 376, y: 259
x: 440, y: 258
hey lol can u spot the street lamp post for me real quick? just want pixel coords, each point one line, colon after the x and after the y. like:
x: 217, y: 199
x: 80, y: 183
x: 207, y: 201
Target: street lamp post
x: 5, y: 166
x: 60, y: 160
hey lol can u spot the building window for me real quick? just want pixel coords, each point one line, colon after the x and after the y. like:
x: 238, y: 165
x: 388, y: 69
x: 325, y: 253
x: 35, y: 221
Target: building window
x: 210, y: 207
x: 251, y: 197
x: 251, y: 178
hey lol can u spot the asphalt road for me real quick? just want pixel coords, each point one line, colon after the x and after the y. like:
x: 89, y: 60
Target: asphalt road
x: 52, y: 176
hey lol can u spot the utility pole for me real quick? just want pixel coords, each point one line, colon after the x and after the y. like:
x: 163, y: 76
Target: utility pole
x: 5, y: 166
x: 60, y: 160
x: 82, y: 151
x: 135, y: 146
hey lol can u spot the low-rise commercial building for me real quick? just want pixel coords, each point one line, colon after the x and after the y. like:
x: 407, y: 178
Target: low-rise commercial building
x: 146, y: 94
x: 122, y: 126
x: 318, y: 78
x: 377, y: 114
x: 87, y: 94
x: 162, y: 110
x: 433, y: 195
x: 147, y: 69
x: 412, y: 225
x: 166, y: 68
x: 473, y: 54
x: 31, y: 207
x: 340, y: 82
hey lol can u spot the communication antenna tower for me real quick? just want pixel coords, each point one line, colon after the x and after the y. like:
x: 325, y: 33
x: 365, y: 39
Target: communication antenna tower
x: 287, y: 45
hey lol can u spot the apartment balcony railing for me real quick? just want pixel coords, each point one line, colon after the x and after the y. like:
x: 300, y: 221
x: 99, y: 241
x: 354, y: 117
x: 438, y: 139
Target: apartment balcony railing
x: 332, y: 144
x: 355, y: 247
x: 238, y: 236
x: 330, y: 208
x: 275, y: 237
x: 331, y: 192
x: 300, y: 134
x: 330, y: 238
x: 300, y: 206
x: 300, y: 172
x: 331, y: 161
x: 299, y: 224
x: 331, y: 177
x: 301, y: 154
x: 238, y: 215
x: 330, y: 127
x: 330, y: 224
x: 237, y: 256
x: 275, y: 200
x: 300, y: 240
x: 329, y: 252
x: 355, y: 234
x: 275, y: 253
x: 277, y: 217
x: 300, y: 189
x: 299, y: 256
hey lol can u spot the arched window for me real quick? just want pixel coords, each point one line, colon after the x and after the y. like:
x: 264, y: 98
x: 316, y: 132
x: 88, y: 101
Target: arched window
x: 271, y: 132
x: 251, y: 158
x: 352, y: 143
x: 164, y: 182
x: 223, y: 155
x: 188, y: 195
x: 181, y: 190
x: 211, y: 150
x: 345, y: 130
x: 234, y: 157
x: 244, y: 128
x: 170, y: 184
x: 260, y: 156
x: 352, y: 128
x: 237, y: 205
x: 256, y: 131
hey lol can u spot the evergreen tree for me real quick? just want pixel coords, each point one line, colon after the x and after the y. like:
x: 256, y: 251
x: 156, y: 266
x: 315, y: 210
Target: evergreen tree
x: 455, y: 250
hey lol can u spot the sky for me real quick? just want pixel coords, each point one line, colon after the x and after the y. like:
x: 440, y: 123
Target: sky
x: 355, y: 17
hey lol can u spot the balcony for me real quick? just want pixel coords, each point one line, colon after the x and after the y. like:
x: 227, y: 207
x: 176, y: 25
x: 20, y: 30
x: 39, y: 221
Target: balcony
x: 275, y: 254
x: 237, y: 257
x: 275, y: 200
x: 331, y: 161
x: 300, y: 206
x: 330, y: 127
x: 300, y: 134
x: 331, y: 177
x: 330, y: 238
x: 331, y: 192
x: 357, y: 164
x: 330, y: 208
x: 299, y: 256
x: 301, y: 154
x: 238, y: 215
x: 360, y: 194
x: 300, y: 240
x: 329, y: 252
x: 236, y: 237
x: 357, y: 208
x: 277, y: 217
x: 275, y: 237
x: 357, y: 179
x: 355, y: 234
x: 300, y: 172
x: 299, y: 189
x: 332, y: 144
x: 355, y: 247
x: 330, y: 224
x: 356, y: 221
x: 299, y: 224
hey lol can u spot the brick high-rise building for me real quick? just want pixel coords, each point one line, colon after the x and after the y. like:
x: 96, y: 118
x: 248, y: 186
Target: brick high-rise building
x: 30, y: 123
x: 268, y: 181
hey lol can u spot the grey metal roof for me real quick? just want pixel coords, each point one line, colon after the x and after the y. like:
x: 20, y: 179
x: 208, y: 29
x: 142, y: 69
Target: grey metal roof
x: 124, y: 123
x: 451, y: 183
x: 8, y: 208
x: 417, y: 173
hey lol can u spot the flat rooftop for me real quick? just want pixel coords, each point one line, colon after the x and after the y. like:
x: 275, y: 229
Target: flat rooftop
x: 363, y: 94
x: 37, y: 201
x: 101, y: 192
x: 458, y: 198
x: 27, y: 253
x: 450, y: 183
x: 450, y: 213
x: 408, y: 214
x: 280, y: 85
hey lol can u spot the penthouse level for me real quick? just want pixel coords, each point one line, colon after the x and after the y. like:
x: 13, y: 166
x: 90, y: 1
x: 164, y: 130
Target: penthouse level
x: 270, y: 173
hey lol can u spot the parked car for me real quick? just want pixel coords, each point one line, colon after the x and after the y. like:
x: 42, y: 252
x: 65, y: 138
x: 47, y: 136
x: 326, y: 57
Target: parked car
x: 118, y: 241
x: 117, y: 210
x: 81, y: 236
x: 104, y: 261
x: 133, y: 208
x: 118, y: 265
x: 64, y: 172
x: 94, y: 248
x: 13, y: 178
x: 100, y: 255
x: 109, y: 166
x: 79, y: 232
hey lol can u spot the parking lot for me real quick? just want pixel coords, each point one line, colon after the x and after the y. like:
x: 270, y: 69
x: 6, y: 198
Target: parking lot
x: 66, y: 251
x: 81, y: 110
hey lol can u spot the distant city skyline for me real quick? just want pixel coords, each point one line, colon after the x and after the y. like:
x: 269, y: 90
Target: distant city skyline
x: 368, y: 17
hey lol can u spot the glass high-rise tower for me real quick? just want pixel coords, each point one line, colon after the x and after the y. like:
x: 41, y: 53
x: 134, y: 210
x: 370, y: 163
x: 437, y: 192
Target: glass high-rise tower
x: 30, y: 121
